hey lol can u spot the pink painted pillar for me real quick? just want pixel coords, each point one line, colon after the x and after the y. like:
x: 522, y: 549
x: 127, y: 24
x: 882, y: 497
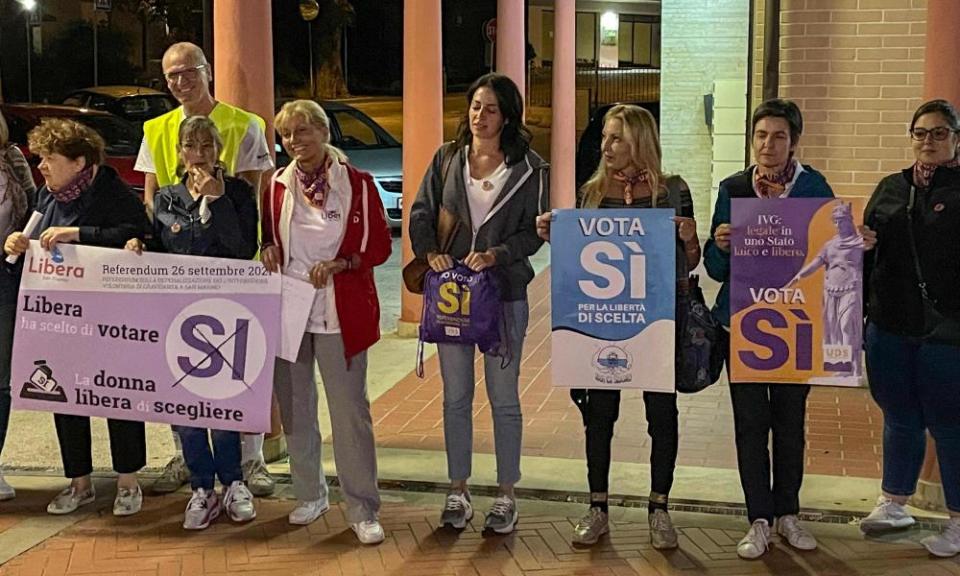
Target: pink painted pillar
x: 243, y: 57
x: 563, y: 136
x: 940, y: 80
x: 512, y: 41
x: 422, y: 121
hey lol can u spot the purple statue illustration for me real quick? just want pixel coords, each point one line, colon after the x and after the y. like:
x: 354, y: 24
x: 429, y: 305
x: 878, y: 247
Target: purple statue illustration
x: 842, y: 259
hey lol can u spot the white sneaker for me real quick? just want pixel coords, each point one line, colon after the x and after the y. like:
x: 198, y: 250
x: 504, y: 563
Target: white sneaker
x: 69, y: 500
x: 238, y: 502
x: 755, y: 543
x: 128, y: 502
x: 789, y: 527
x: 6, y: 491
x: 947, y: 543
x: 368, y: 531
x: 202, y: 509
x: 888, y: 515
x: 306, y: 512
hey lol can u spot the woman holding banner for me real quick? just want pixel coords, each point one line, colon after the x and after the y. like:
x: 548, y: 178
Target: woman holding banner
x: 492, y: 182
x: 18, y: 194
x: 630, y: 176
x: 323, y: 223
x: 207, y: 214
x: 759, y: 408
x: 913, y: 321
x: 84, y: 201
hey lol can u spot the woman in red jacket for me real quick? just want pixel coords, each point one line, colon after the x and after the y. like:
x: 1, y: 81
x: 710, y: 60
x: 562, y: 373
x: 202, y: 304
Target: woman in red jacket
x: 323, y: 222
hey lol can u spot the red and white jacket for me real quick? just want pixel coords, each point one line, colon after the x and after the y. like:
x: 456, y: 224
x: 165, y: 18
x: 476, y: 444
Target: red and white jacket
x: 367, y: 235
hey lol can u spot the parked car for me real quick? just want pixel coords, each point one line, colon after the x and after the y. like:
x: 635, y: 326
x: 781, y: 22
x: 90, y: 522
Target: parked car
x: 588, y: 150
x: 369, y: 148
x: 122, y: 137
x: 134, y: 103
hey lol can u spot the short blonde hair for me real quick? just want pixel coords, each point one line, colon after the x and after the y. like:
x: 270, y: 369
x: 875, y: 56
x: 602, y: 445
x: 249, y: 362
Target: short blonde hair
x: 314, y: 114
x: 68, y: 138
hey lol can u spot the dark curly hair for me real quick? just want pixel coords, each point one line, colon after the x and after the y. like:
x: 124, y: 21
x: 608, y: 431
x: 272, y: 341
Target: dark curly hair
x: 68, y: 138
x: 515, y: 136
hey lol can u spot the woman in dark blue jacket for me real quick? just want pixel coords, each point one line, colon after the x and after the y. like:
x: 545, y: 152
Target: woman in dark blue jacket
x: 207, y: 214
x: 759, y: 408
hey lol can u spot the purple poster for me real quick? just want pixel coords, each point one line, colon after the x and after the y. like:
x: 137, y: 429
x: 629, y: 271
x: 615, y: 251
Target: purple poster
x: 154, y: 337
x: 796, y: 291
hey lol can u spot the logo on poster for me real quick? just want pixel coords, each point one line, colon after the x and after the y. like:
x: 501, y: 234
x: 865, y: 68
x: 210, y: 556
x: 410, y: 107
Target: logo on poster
x: 613, y: 364
x: 216, y: 348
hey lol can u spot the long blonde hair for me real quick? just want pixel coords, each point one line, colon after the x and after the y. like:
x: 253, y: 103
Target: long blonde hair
x: 640, y: 132
x: 314, y: 114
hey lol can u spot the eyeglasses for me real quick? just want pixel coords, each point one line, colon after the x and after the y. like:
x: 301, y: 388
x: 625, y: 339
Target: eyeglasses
x: 186, y: 74
x: 938, y: 133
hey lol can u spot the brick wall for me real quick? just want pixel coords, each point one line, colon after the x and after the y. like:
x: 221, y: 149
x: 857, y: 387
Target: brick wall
x: 855, y: 68
x: 702, y: 41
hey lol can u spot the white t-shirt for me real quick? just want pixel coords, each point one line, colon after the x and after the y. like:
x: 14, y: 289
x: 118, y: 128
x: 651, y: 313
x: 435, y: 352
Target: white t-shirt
x: 315, y: 236
x: 483, y: 192
x: 254, y: 155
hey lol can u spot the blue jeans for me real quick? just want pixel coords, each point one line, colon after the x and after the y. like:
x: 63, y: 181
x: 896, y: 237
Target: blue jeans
x: 456, y: 369
x: 223, y: 462
x: 8, y: 317
x: 917, y: 385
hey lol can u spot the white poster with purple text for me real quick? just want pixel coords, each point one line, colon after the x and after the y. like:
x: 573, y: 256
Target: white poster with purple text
x: 183, y: 340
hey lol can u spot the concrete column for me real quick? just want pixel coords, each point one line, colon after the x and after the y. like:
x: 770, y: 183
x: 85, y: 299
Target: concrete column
x: 422, y: 121
x: 243, y: 57
x: 563, y: 136
x: 512, y: 41
x: 941, y: 79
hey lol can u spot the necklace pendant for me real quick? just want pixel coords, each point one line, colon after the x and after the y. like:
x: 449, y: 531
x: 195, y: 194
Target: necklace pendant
x: 487, y: 185
x: 628, y: 198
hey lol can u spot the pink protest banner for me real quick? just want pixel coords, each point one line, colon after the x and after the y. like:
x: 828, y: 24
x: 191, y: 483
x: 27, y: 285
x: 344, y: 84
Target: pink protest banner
x: 154, y: 337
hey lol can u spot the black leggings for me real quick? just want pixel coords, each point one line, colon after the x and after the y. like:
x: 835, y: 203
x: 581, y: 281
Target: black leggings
x: 600, y: 409
x: 128, y: 445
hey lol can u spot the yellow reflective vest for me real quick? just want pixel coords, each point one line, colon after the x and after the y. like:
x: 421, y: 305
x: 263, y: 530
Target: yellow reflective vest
x: 161, y: 134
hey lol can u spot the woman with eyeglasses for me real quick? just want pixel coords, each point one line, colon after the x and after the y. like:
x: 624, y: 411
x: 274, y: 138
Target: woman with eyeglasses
x: 913, y: 321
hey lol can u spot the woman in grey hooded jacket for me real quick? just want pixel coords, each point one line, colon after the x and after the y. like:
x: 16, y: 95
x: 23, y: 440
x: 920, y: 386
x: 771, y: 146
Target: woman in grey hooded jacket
x: 495, y: 185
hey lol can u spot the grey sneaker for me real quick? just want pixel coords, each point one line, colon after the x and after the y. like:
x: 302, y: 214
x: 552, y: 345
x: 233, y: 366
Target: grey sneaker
x: 662, y: 534
x: 502, y: 516
x: 238, y: 503
x: 756, y: 542
x: 175, y: 474
x: 6, y: 490
x: 202, y: 509
x: 259, y: 480
x: 789, y: 527
x: 946, y: 543
x: 591, y: 527
x: 128, y: 502
x: 457, y: 511
x: 69, y: 500
x: 887, y: 515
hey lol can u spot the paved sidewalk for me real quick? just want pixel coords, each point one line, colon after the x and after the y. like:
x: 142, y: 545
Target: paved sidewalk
x: 153, y: 543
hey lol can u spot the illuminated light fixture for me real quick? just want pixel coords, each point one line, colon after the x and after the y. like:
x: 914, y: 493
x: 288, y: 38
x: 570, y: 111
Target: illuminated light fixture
x: 28, y: 5
x: 609, y: 21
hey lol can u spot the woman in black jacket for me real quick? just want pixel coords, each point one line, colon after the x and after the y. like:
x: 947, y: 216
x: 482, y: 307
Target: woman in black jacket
x: 84, y: 201
x: 913, y: 313
x: 207, y: 214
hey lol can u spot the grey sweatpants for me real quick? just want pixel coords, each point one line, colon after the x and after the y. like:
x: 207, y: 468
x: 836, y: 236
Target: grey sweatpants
x: 353, y: 445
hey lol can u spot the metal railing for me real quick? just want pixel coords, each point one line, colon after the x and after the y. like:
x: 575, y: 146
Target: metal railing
x: 604, y: 85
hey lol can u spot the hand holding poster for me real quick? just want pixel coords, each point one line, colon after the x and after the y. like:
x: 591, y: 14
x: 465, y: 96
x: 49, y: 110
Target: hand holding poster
x: 153, y: 337
x: 796, y: 291
x: 614, y: 298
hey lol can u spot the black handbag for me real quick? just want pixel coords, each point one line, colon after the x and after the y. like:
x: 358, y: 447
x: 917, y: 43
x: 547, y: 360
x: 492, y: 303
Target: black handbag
x: 936, y: 326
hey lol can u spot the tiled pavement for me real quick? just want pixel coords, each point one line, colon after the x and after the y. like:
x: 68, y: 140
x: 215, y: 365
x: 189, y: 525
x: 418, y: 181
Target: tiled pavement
x: 844, y: 426
x: 153, y: 543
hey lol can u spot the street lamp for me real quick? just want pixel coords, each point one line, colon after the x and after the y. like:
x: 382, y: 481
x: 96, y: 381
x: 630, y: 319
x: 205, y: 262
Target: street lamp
x: 29, y: 6
x: 309, y: 10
